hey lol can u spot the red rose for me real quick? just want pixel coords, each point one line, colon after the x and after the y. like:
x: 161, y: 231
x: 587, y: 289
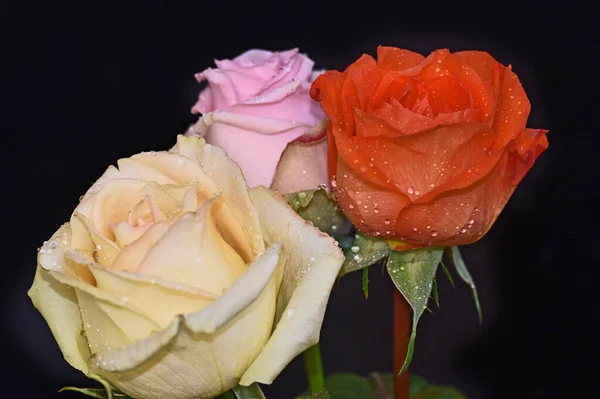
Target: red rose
x: 426, y: 150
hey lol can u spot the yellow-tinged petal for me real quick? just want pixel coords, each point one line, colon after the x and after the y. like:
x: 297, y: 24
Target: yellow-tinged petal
x: 111, y: 173
x: 179, y: 169
x: 108, y: 320
x: 313, y: 262
x: 161, y: 300
x: 132, y: 254
x: 58, y: 303
x: 168, y: 202
x: 125, y: 233
x: 302, y: 166
x: 113, y: 203
x: 192, y: 252
x: 238, y: 219
x: 105, y: 251
x: 131, y: 168
x: 203, y: 354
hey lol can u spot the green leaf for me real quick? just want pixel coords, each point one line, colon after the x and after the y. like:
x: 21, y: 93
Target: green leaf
x: 318, y: 395
x: 250, y: 392
x: 417, y: 385
x: 420, y: 388
x: 317, y: 207
x: 227, y: 395
x: 463, y: 272
x: 348, y: 386
x: 413, y: 272
x: 99, y: 393
x: 364, y: 251
x: 365, y: 282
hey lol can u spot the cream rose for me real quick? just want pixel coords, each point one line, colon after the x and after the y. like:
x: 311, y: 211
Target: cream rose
x: 173, y: 280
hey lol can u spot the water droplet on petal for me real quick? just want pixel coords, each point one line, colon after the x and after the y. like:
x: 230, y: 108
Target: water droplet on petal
x: 434, y: 233
x: 410, y: 190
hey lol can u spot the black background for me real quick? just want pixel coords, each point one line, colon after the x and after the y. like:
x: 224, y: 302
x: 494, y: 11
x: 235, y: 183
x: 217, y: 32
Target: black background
x: 87, y: 83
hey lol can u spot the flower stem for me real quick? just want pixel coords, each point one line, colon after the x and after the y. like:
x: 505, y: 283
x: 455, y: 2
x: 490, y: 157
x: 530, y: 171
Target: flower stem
x: 401, y: 339
x: 314, y: 369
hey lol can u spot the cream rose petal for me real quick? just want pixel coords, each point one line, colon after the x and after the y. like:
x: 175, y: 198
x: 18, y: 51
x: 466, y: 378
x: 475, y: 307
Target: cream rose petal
x: 313, y: 262
x: 130, y: 168
x: 161, y: 300
x: 113, y: 203
x: 105, y: 251
x: 132, y: 254
x: 204, y: 353
x: 238, y: 218
x: 108, y: 320
x: 192, y: 252
x: 58, y: 304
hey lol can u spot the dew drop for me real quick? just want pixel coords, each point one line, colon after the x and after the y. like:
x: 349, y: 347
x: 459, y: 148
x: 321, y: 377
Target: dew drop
x: 411, y: 190
x: 304, y: 171
x: 302, y: 194
x: 471, y: 221
x: 434, y: 233
x: 355, y: 249
x: 402, y: 268
x: 387, y: 222
x: 357, y: 258
x: 415, y: 229
x: 463, y: 230
x: 375, y: 210
x: 351, y: 206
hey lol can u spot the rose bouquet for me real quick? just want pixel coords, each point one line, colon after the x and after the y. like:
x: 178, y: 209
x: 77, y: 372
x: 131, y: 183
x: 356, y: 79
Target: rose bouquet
x: 201, y: 271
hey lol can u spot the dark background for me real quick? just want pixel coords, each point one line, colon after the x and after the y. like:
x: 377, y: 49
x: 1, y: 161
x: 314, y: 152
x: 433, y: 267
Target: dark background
x: 85, y: 84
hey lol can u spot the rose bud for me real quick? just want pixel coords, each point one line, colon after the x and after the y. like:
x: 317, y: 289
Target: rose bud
x: 258, y: 108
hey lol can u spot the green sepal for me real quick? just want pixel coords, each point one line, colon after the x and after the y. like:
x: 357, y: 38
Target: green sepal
x: 99, y: 393
x: 365, y: 251
x: 413, y: 272
x: 317, y: 207
x: 365, y: 282
x: 102, y: 393
x: 250, y: 392
x: 463, y: 272
x: 434, y: 292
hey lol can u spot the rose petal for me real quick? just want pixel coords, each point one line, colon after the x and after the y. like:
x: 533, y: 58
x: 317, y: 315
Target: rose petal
x: 302, y: 166
x: 108, y: 321
x: 192, y: 252
x: 133, y: 253
x: 161, y: 300
x: 237, y: 220
x: 58, y: 303
x: 313, y: 261
x: 105, y: 251
x: 205, y: 353
x: 111, y: 204
x: 133, y: 169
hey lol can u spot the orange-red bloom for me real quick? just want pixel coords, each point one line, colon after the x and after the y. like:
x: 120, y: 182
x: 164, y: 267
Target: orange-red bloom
x: 426, y: 150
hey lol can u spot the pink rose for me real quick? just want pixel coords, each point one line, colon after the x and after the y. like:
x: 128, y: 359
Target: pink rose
x: 257, y: 104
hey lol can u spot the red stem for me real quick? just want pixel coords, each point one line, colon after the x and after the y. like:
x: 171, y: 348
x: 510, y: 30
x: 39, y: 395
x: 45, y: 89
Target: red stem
x: 401, y: 337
